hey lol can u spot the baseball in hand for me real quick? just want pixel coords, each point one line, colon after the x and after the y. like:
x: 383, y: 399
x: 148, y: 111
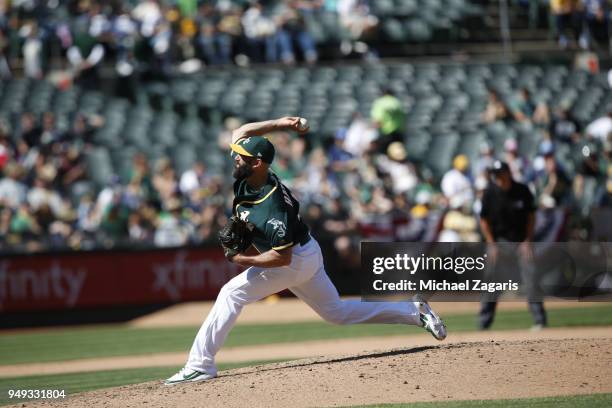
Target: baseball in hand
x: 303, y: 125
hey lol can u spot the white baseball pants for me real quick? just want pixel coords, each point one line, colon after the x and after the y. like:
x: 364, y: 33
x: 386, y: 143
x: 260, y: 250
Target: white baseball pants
x: 307, y: 279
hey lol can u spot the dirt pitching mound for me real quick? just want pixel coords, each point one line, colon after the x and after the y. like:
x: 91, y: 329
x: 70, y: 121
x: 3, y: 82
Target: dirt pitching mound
x: 479, y: 370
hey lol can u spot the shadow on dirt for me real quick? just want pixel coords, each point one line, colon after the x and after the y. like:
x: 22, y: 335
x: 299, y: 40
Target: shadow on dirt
x: 314, y: 362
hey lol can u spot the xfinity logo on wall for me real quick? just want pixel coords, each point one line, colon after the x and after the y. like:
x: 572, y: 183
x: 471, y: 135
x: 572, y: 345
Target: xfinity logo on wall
x: 182, y: 274
x: 56, y: 282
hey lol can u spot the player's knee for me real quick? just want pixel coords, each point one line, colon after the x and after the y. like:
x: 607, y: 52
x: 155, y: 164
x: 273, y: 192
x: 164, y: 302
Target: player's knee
x: 227, y: 290
x: 334, y: 314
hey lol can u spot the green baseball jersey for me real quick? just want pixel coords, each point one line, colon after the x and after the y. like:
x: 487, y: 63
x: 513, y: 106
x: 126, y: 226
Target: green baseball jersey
x: 271, y: 213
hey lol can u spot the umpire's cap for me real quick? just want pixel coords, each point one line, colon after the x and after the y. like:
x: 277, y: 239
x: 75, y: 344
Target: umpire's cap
x: 256, y: 146
x: 499, y: 167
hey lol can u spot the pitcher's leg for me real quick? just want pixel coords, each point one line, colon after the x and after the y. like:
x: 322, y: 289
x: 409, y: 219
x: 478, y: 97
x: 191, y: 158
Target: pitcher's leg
x: 248, y: 287
x: 321, y: 295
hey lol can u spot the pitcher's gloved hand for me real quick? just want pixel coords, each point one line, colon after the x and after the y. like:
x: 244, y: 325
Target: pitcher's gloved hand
x: 235, y: 237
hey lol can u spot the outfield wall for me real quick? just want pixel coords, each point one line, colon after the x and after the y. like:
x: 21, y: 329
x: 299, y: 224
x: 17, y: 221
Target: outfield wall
x: 44, y: 282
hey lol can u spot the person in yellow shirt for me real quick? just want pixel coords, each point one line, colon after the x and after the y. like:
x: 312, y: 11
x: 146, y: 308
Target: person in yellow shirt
x: 566, y: 14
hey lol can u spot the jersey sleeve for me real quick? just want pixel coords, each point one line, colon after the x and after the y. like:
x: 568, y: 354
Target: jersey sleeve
x: 278, y: 231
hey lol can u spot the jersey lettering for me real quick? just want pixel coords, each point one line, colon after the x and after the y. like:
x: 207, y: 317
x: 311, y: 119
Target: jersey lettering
x: 278, y: 225
x: 286, y: 196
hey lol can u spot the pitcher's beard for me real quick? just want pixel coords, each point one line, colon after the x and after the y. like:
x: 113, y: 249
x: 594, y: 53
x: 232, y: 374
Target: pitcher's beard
x: 242, y: 172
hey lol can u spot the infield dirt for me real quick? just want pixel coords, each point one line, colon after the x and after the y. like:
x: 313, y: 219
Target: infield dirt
x: 493, y: 369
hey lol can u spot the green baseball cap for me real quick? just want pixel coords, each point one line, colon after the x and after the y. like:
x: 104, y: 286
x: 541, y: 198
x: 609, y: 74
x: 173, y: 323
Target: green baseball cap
x: 258, y: 147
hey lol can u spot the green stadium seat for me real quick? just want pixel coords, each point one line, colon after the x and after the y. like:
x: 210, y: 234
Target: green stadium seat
x: 393, y: 30
x: 383, y: 8
x: 405, y: 8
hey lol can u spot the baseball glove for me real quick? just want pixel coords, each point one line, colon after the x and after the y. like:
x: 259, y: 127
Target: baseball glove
x: 235, y: 237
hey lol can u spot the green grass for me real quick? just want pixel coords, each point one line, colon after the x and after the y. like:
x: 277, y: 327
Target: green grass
x: 570, y: 401
x: 79, y: 382
x: 119, y: 340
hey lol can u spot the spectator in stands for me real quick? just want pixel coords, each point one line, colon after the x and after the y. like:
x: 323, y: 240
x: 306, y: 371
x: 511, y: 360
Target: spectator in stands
x: 564, y: 128
x: 148, y: 14
x: 340, y: 160
x: 590, y: 173
x: 517, y: 164
x: 292, y: 30
x: 12, y: 190
x: 600, y: 128
x: 32, y: 51
x: 171, y: 229
x: 79, y: 131
x: 114, y: 222
x: 337, y: 219
x: 70, y: 167
x: 389, y: 117
x: 260, y: 34
x: 29, y: 131
x: 508, y: 215
x: 5, y: 69
x: 355, y: 16
x: 532, y: 9
x: 41, y: 195
x: 24, y: 225
x: 522, y: 106
x: 566, y: 15
x: 164, y: 180
x: 140, y: 173
x: 5, y: 228
x: 554, y: 182
x: 524, y: 109
x: 402, y: 173
x: 359, y: 137
x: 123, y: 29
x: 419, y: 214
x: 496, y: 109
x: 316, y: 183
x: 596, y: 21
x: 195, y: 178
x: 212, y: 219
x: 213, y: 42
x: 85, y: 57
x: 161, y: 43
x: 459, y: 225
x: 481, y: 166
x: 456, y: 185
x: 87, y: 220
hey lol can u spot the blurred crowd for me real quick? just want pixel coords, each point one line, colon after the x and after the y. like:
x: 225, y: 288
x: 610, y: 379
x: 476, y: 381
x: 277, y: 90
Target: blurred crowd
x: 586, y: 22
x: 159, y: 37
x: 359, y: 185
x: 368, y: 187
x: 155, y: 38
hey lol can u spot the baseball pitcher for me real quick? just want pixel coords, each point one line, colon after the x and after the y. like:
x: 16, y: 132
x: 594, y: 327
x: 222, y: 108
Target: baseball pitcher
x: 267, y: 236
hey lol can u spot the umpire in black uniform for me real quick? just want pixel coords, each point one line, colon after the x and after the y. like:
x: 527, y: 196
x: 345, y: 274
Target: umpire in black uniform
x: 508, y: 215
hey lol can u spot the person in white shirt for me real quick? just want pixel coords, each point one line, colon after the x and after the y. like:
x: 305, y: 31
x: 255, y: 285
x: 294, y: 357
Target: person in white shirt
x: 193, y: 179
x: 456, y: 185
x: 601, y: 128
